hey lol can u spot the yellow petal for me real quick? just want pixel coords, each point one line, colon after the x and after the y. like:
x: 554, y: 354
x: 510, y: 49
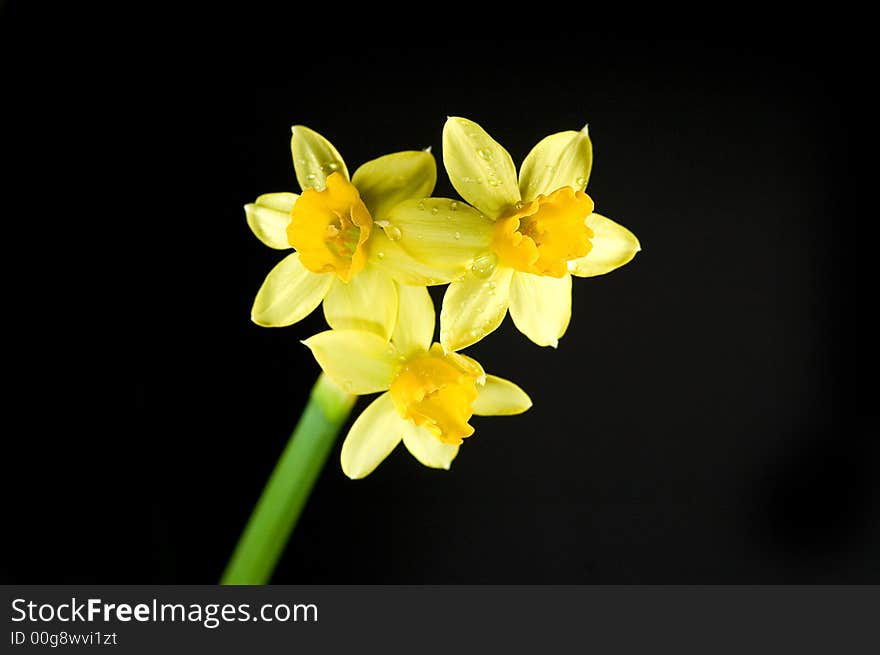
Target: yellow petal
x: 414, y: 329
x: 268, y: 218
x: 359, y: 362
x: 372, y: 437
x: 389, y: 256
x: 561, y: 159
x: 427, y: 448
x: 474, y: 306
x: 367, y: 302
x: 443, y: 234
x: 500, y: 397
x: 282, y: 202
x: 393, y: 178
x: 540, y: 306
x: 289, y: 294
x: 613, y: 246
x: 314, y: 158
x: 479, y: 168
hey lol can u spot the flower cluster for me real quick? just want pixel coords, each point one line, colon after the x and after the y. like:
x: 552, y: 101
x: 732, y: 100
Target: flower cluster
x: 366, y: 246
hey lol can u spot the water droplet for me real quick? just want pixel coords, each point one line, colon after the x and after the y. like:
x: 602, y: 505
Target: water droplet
x: 380, y: 255
x: 311, y: 177
x: 485, y: 154
x: 421, y: 205
x: 434, y: 210
x: 330, y: 166
x: 493, y: 181
x: 581, y: 181
x: 519, y: 204
x: 457, y: 235
x: 467, y: 178
x: 453, y: 206
x: 392, y: 232
x: 484, y: 265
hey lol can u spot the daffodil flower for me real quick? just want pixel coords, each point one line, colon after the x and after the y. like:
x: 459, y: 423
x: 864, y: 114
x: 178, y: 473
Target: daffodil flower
x: 536, y: 232
x: 347, y: 254
x: 429, y: 394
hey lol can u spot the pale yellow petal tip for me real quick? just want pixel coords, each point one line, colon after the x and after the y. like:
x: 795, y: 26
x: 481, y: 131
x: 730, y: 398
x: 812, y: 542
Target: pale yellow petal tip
x: 262, y: 323
x: 586, y: 129
x: 428, y: 150
x: 355, y: 475
x: 454, y: 343
x: 449, y: 347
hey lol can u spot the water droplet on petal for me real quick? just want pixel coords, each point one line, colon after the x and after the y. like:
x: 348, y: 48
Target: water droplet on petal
x: 457, y: 235
x: 421, y: 205
x: 485, y: 154
x: 493, y: 181
x: 519, y: 204
x: 392, y: 232
x: 581, y: 181
x: 330, y: 166
x: 434, y: 210
x: 380, y: 255
x: 453, y: 206
x: 484, y: 265
x: 311, y: 177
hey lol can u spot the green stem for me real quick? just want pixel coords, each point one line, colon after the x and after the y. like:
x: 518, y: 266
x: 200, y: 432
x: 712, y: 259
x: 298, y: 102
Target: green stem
x: 289, y: 486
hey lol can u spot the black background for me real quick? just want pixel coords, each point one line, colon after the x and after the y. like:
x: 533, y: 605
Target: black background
x: 706, y: 419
